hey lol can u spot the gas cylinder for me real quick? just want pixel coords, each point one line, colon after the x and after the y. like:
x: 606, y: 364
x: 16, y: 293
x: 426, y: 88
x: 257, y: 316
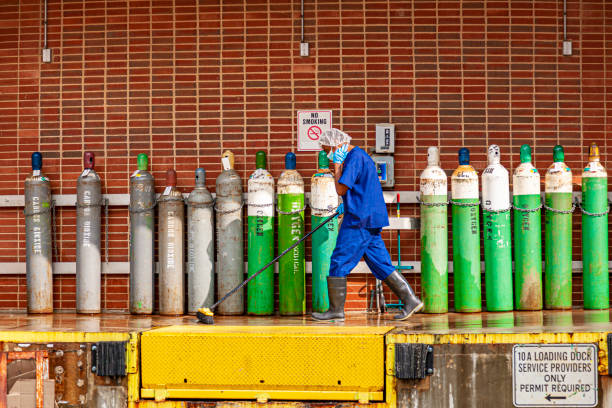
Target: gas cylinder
x: 201, y: 246
x: 434, y: 235
x: 142, y: 267
x: 527, y: 234
x: 466, y: 235
x: 260, y: 291
x: 323, y: 203
x: 88, y: 264
x: 291, y: 270
x: 39, y: 263
x: 595, y: 233
x: 496, y: 231
x: 558, y: 244
x: 230, y: 246
x: 171, y: 216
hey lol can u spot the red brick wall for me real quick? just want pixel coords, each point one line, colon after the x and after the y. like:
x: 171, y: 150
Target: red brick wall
x: 183, y: 80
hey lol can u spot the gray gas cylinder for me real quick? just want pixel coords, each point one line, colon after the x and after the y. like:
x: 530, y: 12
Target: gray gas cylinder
x: 171, y: 212
x: 88, y: 264
x: 201, y: 246
x: 142, y: 267
x: 230, y: 244
x: 39, y: 266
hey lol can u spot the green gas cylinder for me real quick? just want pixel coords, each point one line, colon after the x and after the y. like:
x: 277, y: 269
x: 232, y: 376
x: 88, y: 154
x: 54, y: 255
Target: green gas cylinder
x: 260, y: 291
x: 291, y: 268
x: 595, y: 233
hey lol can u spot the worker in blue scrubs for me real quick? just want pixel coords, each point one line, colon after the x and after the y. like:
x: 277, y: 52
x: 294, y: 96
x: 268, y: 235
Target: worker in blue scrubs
x: 365, y: 214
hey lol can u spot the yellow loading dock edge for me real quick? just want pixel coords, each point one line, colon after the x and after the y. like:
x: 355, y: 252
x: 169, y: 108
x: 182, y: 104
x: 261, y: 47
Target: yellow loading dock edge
x: 250, y: 362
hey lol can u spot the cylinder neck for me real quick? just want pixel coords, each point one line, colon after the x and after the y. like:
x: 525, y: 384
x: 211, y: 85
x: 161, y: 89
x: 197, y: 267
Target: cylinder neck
x: 558, y: 154
x: 229, y: 156
x: 594, y: 153
x: 433, y: 156
x: 464, y: 156
x: 143, y: 162
x: 323, y: 160
x: 200, y: 177
x: 493, y: 155
x: 36, y: 161
x: 290, y: 161
x: 260, y: 160
x: 171, y: 178
x: 525, y: 154
x: 89, y: 160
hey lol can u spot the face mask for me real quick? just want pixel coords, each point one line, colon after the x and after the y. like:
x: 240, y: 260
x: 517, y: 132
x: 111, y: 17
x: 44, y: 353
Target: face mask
x: 330, y: 155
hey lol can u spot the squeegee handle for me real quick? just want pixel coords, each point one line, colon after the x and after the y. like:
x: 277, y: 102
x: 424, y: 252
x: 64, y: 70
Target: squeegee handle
x: 253, y: 276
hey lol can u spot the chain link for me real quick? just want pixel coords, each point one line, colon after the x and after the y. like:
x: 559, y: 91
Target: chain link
x: 100, y: 204
x: 291, y: 212
x: 464, y: 204
x: 142, y: 210
x: 527, y: 210
x: 554, y: 210
x: 260, y: 205
x: 219, y: 212
x: 496, y: 211
x: 329, y: 209
x: 585, y: 212
x: 206, y: 205
x: 432, y: 204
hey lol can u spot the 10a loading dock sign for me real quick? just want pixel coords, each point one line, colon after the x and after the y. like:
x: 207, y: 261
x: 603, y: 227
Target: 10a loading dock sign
x: 311, y: 124
x: 559, y: 375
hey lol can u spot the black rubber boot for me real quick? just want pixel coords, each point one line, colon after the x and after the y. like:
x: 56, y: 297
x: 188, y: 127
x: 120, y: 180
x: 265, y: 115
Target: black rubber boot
x: 402, y: 290
x: 336, y: 287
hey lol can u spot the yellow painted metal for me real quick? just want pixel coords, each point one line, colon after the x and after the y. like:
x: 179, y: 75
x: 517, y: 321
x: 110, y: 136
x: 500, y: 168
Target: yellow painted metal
x: 599, y: 338
x: 133, y: 372
x: 60, y: 337
x: 244, y: 362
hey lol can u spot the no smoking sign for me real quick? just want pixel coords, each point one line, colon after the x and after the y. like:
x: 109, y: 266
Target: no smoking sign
x: 311, y: 125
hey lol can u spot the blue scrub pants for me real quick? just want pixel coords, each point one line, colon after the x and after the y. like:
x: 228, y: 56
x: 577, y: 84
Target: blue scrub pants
x: 352, y: 244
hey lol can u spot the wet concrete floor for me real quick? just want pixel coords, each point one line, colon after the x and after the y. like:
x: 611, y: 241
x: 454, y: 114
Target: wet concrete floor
x: 576, y: 320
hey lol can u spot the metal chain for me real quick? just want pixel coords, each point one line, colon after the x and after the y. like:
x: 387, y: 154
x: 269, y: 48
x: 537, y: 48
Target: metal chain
x: 100, y: 204
x: 585, y: 212
x: 527, y: 210
x: 207, y: 205
x: 42, y: 211
x: 464, y: 204
x: 290, y: 212
x: 106, y: 230
x: 260, y: 205
x: 142, y: 210
x: 496, y: 211
x: 432, y: 204
x: 329, y: 209
x: 229, y: 211
x: 554, y: 210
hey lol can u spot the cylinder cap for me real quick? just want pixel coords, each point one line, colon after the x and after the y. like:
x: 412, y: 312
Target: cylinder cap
x: 143, y: 161
x: 89, y: 160
x: 290, y: 161
x: 200, y: 177
x: 558, y: 155
x: 493, y: 154
x: 323, y: 160
x: 464, y: 156
x: 171, y: 178
x: 260, y: 160
x: 36, y: 161
x: 433, y: 156
x: 230, y: 156
x: 594, y: 152
x: 525, y: 153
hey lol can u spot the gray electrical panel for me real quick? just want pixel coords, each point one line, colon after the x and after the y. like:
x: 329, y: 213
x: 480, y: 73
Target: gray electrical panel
x: 385, y: 169
x: 385, y: 138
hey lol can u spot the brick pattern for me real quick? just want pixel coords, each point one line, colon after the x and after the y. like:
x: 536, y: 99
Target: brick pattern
x: 184, y: 80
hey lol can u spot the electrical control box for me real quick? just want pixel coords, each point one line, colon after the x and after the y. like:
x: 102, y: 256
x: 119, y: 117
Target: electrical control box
x: 385, y: 169
x: 385, y: 138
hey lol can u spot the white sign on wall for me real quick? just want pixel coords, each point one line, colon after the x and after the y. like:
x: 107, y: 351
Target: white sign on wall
x: 311, y: 124
x: 559, y: 375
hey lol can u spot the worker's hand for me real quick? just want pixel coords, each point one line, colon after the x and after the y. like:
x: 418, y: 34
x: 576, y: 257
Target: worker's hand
x: 340, y: 209
x: 330, y: 155
x: 340, y: 154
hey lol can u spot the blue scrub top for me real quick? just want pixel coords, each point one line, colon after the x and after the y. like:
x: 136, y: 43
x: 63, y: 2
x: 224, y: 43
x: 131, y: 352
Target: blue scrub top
x: 364, y: 205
